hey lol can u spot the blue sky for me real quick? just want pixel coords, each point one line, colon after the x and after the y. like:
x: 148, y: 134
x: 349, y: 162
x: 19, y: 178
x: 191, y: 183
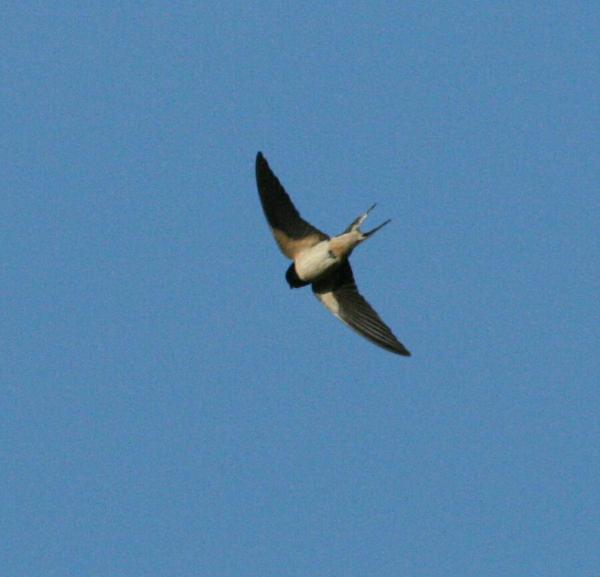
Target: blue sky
x: 171, y: 408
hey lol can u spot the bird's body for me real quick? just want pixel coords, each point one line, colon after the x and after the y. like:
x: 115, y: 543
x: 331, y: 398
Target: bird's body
x: 323, y: 258
x: 316, y: 261
x: 322, y: 261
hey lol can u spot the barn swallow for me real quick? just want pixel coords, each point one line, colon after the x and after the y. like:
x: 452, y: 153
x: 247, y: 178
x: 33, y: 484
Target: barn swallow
x: 322, y: 261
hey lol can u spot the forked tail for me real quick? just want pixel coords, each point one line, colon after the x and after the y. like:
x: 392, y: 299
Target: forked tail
x: 355, y: 226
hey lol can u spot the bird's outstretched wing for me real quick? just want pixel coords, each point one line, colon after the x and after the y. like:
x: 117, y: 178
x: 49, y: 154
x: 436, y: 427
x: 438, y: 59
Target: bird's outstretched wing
x: 339, y: 294
x: 292, y: 233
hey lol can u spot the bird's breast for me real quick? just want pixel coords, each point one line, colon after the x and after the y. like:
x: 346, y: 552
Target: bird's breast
x: 316, y: 261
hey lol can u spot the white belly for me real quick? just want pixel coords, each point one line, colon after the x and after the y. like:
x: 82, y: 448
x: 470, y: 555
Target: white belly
x: 311, y: 264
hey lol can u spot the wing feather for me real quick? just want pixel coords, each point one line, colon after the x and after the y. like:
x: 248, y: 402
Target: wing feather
x: 338, y: 292
x: 292, y: 233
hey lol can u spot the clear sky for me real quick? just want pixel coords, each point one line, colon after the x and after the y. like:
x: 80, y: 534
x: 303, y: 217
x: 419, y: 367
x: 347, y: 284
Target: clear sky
x: 171, y: 408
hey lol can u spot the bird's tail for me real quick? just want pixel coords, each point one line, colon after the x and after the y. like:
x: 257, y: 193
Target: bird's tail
x: 369, y: 233
x: 355, y: 226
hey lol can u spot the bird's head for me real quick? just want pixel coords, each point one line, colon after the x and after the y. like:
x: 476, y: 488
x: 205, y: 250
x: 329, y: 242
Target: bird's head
x: 291, y: 276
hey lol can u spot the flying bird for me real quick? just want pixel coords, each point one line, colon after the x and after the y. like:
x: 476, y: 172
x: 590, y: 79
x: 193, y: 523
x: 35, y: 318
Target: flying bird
x: 322, y: 261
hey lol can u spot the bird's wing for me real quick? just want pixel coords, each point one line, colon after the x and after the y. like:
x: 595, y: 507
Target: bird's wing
x: 292, y: 233
x: 339, y: 294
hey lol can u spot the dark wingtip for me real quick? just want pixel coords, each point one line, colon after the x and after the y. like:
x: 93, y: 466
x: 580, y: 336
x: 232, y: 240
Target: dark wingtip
x: 261, y: 163
x: 402, y: 350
